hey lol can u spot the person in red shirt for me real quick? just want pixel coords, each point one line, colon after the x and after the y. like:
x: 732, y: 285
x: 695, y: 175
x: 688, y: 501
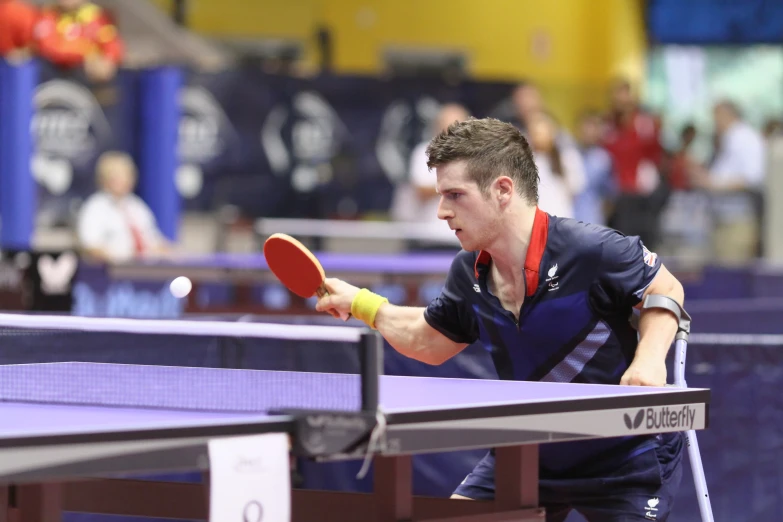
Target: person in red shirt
x: 17, y: 20
x: 632, y: 138
x: 681, y: 163
x: 78, y: 33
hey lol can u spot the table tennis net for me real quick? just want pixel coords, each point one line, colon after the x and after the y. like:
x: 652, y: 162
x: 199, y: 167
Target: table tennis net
x: 182, y: 365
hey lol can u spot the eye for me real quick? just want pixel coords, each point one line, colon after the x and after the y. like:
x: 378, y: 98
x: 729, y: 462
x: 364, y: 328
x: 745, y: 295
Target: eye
x: 453, y: 195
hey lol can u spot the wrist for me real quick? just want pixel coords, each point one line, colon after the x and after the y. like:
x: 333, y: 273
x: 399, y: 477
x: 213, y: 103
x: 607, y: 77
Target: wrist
x: 365, y: 306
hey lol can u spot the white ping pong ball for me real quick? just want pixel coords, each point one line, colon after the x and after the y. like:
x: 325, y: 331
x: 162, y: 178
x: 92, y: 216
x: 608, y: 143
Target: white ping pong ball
x: 180, y: 287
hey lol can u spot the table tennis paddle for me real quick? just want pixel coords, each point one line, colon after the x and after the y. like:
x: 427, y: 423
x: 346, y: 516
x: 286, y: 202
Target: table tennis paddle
x: 295, y: 266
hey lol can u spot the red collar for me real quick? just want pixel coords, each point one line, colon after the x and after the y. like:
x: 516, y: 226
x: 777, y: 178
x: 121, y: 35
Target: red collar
x: 535, y: 251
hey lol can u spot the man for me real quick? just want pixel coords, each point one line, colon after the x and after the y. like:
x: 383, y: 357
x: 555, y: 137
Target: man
x: 591, y: 204
x: 115, y: 225
x: 550, y: 298
x: 632, y: 138
x: 735, y: 182
x: 78, y: 33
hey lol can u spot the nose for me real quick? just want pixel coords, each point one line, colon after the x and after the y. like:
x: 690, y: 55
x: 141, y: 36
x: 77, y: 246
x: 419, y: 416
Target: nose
x: 444, y: 212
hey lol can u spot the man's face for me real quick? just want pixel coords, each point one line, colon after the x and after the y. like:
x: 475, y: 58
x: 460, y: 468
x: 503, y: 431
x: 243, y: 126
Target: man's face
x: 723, y: 118
x: 119, y: 182
x: 527, y: 100
x: 622, y: 97
x: 590, y: 131
x: 475, y: 218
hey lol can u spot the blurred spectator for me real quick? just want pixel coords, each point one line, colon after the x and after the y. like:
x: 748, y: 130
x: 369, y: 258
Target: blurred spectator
x: 592, y: 204
x: 417, y: 201
x: 78, y: 33
x: 632, y: 139
x: 682, y: 163
x: 773, y: 127
x: 735, y: 181
x: 422, y: 179
x: 17, y: 20
x: 114, y: 224
x: 525, y: 103
x: 560, y: 169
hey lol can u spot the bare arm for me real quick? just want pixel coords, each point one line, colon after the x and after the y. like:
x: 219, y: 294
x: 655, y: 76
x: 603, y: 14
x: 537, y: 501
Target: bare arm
x: 403, y: 327
x: 408, y: 333
x: 657, y: 328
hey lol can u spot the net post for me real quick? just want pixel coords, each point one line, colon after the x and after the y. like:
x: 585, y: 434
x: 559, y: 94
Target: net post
x: 371, y: 368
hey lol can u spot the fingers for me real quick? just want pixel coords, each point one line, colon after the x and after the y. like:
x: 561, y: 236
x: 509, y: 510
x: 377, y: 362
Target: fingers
x: 326, y: 304
x: 634, y: 378
x: 329, y: 284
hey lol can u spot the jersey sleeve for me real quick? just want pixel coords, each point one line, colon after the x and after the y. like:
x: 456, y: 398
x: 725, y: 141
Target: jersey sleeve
x: 626, y: 269
x: 451, y: 313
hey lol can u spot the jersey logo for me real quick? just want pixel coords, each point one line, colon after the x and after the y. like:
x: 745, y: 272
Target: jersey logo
x: 477, y: 289
x: 649, y: 257
x: 552, y: 279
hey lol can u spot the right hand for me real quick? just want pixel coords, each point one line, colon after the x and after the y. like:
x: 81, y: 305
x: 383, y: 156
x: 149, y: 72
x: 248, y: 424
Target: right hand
x: 338, y: 301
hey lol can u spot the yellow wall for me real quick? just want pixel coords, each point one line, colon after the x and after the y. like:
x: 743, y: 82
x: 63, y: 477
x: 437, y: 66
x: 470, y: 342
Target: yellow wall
x: 571, y: 47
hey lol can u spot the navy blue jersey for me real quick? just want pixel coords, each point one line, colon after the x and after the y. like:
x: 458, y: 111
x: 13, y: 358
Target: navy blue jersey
x: 582, y: 282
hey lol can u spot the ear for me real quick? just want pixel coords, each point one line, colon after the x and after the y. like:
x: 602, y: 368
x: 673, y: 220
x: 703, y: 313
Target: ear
x: 504, y: 189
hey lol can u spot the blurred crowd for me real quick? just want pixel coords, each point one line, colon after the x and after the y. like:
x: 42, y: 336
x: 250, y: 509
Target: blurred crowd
x: 71, y: 34
x: 614, y: 170
x: 611, y: 169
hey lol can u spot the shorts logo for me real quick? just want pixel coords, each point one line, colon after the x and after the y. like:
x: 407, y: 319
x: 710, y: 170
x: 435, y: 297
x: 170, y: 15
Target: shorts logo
x: 650, y: 509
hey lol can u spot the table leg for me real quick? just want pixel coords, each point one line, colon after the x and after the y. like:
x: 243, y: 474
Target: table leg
x: 5, y: 507
x: 393, y: 485
x: 35, y: 503
x: 516, y: 477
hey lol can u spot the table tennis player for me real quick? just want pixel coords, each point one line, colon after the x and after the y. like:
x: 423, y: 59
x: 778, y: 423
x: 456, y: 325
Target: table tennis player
x: 550, y: 298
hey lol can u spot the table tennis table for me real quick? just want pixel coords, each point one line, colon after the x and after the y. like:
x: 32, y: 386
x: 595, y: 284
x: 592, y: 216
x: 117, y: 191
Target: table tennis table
x: 74, y: 435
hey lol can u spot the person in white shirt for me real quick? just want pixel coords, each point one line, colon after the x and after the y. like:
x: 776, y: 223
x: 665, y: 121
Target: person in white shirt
x: 560, y: 168
x: 114, y: 224
x: 735, y: 182
x: 417, y: 200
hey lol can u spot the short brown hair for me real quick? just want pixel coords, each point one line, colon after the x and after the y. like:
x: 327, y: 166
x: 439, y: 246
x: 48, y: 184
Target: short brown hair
x: 490, y: 148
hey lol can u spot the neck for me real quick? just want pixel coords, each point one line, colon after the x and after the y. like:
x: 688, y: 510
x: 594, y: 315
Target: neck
x: 509, y: 249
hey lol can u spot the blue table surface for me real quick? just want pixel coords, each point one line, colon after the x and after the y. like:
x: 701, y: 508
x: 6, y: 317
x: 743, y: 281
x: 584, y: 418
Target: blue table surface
x: 104, y: 404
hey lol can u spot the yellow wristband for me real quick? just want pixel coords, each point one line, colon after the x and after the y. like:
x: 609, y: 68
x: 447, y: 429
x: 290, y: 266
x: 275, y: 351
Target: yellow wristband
x: 365, y: 306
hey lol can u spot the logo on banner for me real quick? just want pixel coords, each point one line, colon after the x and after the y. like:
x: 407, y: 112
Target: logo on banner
x: 396, y: 136
x: 57, y: 274
x: 661, y: 418
x: 68, y: 121
x: 68, y: 124
x: 316, y: 137
x: 204, y: 129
